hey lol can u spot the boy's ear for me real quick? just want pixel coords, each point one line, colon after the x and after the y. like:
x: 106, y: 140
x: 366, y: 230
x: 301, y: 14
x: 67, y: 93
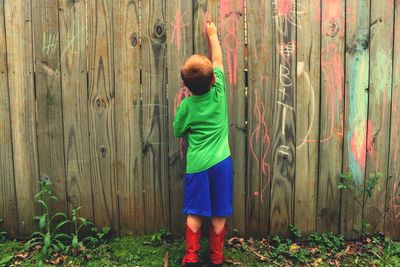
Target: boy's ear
x: 213, y: 80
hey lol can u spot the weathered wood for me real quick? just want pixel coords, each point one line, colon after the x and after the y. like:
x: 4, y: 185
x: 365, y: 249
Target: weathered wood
x: 307, y: 116
x: 260, y: 114
x: 380, y: 90
x: 154, y: 116
x: 8, y: 201
x: 127, y: 116
x: 203, y: 11
x: 180, y: 46
x: 73, y: 67
x: 331, y: 114
x: 355, y: 133
x: 48, y: 98
x: 18, y: 25
x: 231, y: 24
x: 101, y: 112
x: 392, y: 219
x: 284, y: 118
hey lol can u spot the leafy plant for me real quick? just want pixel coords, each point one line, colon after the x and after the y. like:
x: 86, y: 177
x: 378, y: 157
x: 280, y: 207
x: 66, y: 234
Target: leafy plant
x: 162, y: 237
x: 327, y: 242
x: 361, y: 195
x: 48, y: 237
x: 100, y: 234
x: 295, y: 231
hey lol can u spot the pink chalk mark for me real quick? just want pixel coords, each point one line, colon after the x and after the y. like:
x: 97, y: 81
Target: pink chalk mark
x: 224, y: 11
x: 333, y: 17
x: 284, y: 7
x: 262, y: 161
x: 370, y: 140
x: 177, y: 26
x: 358, y: 145
x: 231, y: 46
x: 333, y: 71
x: 205, y: 17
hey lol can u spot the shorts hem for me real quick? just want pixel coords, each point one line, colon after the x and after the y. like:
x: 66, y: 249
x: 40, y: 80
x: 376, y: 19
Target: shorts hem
x: 196, y: 212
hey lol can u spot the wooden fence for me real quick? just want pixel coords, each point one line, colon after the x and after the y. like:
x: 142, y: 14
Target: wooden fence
x: 89, y: 88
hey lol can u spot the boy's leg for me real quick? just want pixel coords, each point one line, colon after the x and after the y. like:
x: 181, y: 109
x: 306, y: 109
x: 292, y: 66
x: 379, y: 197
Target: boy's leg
x: 196, y: 204
x: 194, y: 222
x: 221, y: 188
x: 216, y: 237
x: 218, y: 223
x: 192, y: 236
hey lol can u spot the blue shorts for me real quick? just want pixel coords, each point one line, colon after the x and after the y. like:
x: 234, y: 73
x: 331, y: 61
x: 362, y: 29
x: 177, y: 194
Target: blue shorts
x: 209, y: 193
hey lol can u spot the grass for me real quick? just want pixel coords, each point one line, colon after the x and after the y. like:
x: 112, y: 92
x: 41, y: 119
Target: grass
x: 151, y: 250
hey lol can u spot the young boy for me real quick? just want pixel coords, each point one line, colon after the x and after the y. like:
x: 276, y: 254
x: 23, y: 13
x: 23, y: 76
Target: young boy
x: 209, y: 176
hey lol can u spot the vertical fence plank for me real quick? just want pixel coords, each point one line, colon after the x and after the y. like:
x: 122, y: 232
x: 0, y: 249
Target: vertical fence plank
x: 392, y: 219
x: 331, y: 114
x: 23, y: 116
x: 127, y: 116
x: 284, y: 119
x: 260, y: 113
x: 154, y: 116
x: 180, y: 46
x: 49, y: 100
x: 307, y: 116
x: 8, y: 204
x: 356, y: 97
x: 203, y: 10
x: 73, y: 28
x: 101, y: 112
x: 380, y: 90
x: 231, y: 24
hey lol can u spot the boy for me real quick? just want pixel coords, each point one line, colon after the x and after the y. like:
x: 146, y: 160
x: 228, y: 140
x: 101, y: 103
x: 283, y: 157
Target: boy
x: 209, y: 176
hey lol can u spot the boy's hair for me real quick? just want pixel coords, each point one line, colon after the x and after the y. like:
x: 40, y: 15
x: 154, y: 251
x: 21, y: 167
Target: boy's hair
x: 197, y: 74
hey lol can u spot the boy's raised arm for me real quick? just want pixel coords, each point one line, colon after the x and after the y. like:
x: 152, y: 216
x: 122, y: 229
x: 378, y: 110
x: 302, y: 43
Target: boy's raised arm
x: 215, y: 46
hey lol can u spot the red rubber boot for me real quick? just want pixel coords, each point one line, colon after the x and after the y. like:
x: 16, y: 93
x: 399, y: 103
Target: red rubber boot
x: 192, y: 247
x: 216, y: 243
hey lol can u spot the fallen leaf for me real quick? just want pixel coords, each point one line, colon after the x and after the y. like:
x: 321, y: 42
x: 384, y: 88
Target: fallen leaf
x: 317, y: 261
x: 22, y: 255
x: 232, y: 262
x: 58, y: 260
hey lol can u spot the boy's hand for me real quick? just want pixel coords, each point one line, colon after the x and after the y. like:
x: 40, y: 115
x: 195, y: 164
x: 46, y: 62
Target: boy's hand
x: 215, y: 46
x: 211, y: 29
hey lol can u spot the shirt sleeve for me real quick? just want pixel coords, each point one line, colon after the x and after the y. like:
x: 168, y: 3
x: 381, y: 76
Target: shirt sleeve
x: 219, y: 84
x: 180, y: 121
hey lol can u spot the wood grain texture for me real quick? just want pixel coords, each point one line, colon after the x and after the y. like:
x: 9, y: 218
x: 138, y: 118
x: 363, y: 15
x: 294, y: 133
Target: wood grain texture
x: 101, y: 113
x: 179, y: 21
x: 392, y: 219
x: 8, y: 201
x: 49, y: 100
x: 128, y: 166
x: 307, y: 116
x: 231, y: 24
x: 356, y: 104
x: 154, y: 115
x: 284, y: 118
x: 203, y: 10
x: 18, y: 25
x: 331, y: 114
x: 260, y: 113
x: 380, y: 90
x: 73, y: 67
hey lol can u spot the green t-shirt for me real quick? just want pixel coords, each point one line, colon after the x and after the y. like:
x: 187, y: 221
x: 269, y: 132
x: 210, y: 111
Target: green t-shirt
x: 204, y: 119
